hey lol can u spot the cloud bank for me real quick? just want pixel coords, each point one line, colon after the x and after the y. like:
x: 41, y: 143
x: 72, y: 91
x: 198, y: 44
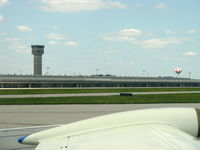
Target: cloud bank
x: 78, y: 5
x: 144, y: 40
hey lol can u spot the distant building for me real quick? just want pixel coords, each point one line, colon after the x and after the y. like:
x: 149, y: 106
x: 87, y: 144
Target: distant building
x: 32, y: 81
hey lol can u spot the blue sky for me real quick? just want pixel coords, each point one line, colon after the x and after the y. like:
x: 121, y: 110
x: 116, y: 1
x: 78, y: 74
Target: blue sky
x: 121, y: 37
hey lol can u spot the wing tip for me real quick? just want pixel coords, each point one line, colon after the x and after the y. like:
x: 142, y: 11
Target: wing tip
x: 21, y: 139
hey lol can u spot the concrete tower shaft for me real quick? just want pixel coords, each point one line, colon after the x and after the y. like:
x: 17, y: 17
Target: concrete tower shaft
x: 37, y: 51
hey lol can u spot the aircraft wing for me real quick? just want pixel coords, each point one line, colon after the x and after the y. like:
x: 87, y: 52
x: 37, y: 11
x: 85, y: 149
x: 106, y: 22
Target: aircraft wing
x: 137, y: 137
x: 163, y: 129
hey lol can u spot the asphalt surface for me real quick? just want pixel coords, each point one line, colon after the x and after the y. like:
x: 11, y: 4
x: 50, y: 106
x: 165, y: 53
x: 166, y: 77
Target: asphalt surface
x: 90, y: 94
x: 17, y: 121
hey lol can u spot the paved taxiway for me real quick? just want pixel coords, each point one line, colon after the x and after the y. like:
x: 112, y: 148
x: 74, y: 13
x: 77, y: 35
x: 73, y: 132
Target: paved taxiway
x: 91, y: 94
x: 15, y: 119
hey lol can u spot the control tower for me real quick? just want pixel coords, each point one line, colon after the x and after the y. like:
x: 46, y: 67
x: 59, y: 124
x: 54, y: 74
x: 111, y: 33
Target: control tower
x: 37, y: 51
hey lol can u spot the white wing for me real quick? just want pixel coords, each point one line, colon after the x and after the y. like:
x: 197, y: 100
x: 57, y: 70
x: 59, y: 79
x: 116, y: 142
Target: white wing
x: 137, y: 137
x: 164, y: 129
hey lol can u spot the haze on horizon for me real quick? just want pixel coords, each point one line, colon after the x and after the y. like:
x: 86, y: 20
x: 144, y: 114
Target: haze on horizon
x: 128, y: 38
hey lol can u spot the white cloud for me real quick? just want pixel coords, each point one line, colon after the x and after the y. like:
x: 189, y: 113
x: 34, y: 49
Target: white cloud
x: 12, y: 39
x: 56, y: 28
x: 17, y: 45
x: 4, y: 3
x: 30, y: 38
x: 3, y: 34
x: 20, y: 48
x: 169, y: 32
x: 71, y: 43
x: 53, y: 36
x: 53, y: 43
x: 189, y: 54
x: 131, y: 32
x: 124, y: 35
x: 160, y: 6
x: 1, y: 17
x: 78, y: 5
x: 109, y: 50
x: 118, y: 38
x: 138, y: 5
x: 115, y: 4
x: 159, y: 43
x: 23, y: 28
x: 142, y: 39
x: 191, y: 31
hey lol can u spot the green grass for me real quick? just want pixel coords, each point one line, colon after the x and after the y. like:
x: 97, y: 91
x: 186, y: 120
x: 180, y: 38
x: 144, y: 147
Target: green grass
x: 136, y: 99
x: 106, y: 90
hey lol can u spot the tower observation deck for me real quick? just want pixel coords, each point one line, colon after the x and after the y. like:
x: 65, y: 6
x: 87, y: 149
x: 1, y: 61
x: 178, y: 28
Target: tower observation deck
x: 37, y: 51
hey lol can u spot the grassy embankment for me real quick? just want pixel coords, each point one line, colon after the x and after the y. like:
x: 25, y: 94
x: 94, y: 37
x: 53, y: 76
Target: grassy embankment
x: 105, y: 90
x: 136, y: 99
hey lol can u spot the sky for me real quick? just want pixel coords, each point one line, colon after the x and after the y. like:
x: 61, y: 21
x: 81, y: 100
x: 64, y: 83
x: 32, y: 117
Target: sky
x: 120, y: 37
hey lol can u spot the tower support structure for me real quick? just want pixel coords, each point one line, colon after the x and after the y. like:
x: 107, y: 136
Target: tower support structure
x: 37, y: 51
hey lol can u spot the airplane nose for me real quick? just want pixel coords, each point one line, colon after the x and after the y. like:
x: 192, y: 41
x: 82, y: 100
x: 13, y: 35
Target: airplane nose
x: 21, y: 139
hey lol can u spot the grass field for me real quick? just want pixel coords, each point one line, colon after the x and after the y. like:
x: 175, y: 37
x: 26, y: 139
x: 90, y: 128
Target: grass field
x: 136, y: 99
x: 105, y: 90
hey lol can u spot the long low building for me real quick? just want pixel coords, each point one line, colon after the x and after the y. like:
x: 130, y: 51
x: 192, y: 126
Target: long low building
x: 31, y: 81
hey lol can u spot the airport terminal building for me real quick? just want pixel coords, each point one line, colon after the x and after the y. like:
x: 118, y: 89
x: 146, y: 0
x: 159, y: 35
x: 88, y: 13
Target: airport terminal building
x: 35, y: 81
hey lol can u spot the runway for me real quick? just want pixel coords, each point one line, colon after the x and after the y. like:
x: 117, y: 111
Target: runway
x: 19, y: 120
x: 91, y: 94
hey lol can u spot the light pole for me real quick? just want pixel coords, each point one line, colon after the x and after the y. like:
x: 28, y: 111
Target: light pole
x: 143, y: 73
x: 20, y: 71
x: 47, y: 70
x: 97, y: 71
x: 189, y: 75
